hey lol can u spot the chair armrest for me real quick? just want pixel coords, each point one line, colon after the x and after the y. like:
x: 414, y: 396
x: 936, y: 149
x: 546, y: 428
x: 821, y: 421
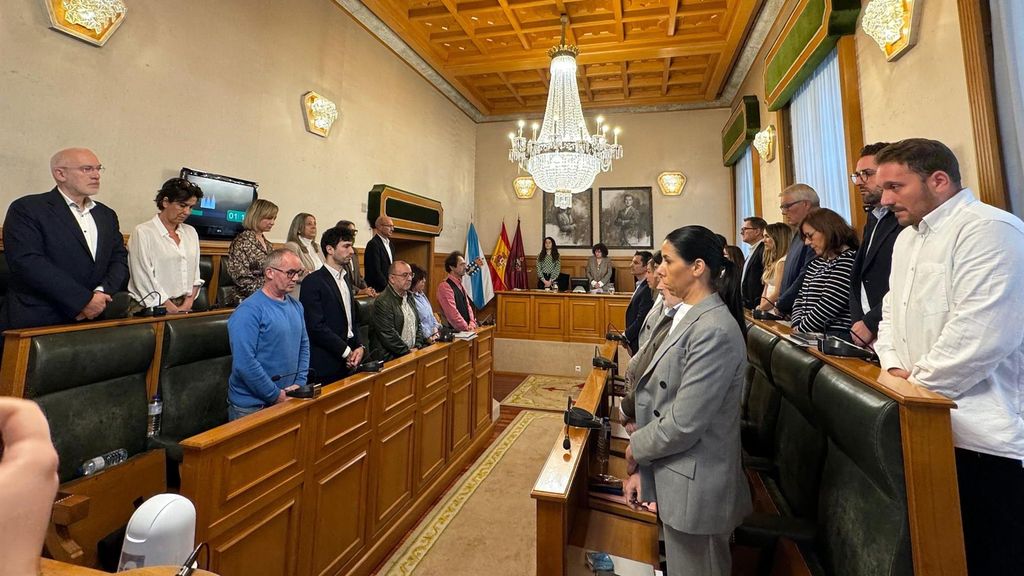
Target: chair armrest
x: 69, y: 508
x: 763, y: 530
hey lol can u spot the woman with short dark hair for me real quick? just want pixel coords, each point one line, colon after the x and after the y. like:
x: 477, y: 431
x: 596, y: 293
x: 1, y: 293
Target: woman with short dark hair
x: 599, y: 270
x: 823, y: 302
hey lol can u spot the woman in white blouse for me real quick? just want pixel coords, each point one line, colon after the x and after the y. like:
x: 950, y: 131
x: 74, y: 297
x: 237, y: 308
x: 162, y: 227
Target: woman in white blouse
x: 163, y: 252
x: 776, y: 245
x: 302, y: 241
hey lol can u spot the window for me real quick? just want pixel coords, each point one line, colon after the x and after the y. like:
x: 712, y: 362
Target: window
x: 743, y: 176
x: 819, y: 142
x: 1007, y: 58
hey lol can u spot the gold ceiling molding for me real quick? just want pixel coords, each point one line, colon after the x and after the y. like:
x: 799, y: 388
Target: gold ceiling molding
x: 319, y: 113
x: 93, y: 21
x: 893, y: 25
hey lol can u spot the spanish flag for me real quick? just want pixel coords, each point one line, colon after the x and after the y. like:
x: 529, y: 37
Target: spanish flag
x: 499, y: 259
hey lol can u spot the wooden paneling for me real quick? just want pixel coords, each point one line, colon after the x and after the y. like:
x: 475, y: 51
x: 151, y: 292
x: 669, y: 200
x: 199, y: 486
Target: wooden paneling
x: 483, y: 382
x: 396, y: 391
x: 514, y: 315
x: 338, y: 508
x: 267, y: 543
x: 392, y: 479
x: 853, y: 132
x: 560, y: 317
x: 461, y: 412
x: 549, y: 318
x: 434, y: 370
x: 431, y: 438
x: 615, y: 314
x: 586, y: 318
x: 341, y: 418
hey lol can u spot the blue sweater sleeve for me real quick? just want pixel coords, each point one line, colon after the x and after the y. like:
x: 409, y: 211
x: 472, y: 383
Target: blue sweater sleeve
x: 244, y: 333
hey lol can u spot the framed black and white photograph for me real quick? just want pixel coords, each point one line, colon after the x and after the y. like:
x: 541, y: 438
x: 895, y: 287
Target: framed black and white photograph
x: 570, y: 227
x: 626, y: 217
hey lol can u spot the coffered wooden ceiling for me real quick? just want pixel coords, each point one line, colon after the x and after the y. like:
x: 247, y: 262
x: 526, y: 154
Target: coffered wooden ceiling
x: 633, y: 53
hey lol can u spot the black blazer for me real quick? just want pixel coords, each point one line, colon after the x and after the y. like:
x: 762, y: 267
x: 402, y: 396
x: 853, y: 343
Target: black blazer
x: 639, y: 305
x: 752, y: 286
x: 797, y: 258
x: 376, y: 263
x: 53, y: 274
x: 871, y: 269
x: 327, y: 324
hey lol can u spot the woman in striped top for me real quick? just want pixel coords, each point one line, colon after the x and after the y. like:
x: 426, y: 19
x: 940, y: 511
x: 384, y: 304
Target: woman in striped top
x: 823, y: 303
x: 549, y: 265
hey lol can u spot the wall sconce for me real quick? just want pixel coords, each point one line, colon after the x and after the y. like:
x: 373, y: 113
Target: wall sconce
x: 320, y: 113
x: 524, y: 187
x: 892, y: 24
x: 93, y: 21
x: 671, y: 183
x: 764, y: 143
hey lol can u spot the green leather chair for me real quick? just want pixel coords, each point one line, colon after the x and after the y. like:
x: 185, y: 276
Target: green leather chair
x: 761, y: 402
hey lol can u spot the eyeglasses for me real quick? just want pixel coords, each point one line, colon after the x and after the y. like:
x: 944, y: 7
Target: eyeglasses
x: 745, y: 229
x: 392, y: 226
x: 789, y: 205
x: 289, y: 273
x: 862, y: 175
x: 406, y: 275
x: 808, y: 235
x: 88, y: 169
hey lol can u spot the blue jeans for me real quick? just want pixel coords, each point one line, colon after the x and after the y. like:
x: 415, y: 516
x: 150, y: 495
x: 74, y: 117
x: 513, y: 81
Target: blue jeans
x: 236, y: 412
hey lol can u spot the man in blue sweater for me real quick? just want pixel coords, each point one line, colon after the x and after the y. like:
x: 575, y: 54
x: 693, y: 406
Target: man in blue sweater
x: 268, y: 339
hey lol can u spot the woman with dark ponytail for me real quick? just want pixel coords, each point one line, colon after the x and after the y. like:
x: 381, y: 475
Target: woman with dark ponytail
x: 685, y: 452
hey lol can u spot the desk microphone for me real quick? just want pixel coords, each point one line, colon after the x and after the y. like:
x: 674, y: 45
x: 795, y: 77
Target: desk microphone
x: 765, y: 314
x: 566, y: 444
x: 602, y: 362
x: 310, y: 390
x: 148, y: 310
x: 371, y: 366
x: 615, y: 335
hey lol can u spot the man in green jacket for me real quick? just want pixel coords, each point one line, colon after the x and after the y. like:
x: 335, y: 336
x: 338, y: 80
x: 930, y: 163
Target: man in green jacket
x: 395, y: 330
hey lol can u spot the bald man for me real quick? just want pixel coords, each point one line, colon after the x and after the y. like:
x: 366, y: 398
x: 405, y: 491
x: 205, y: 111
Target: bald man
x: 379, y: 254
x: 65, y: 250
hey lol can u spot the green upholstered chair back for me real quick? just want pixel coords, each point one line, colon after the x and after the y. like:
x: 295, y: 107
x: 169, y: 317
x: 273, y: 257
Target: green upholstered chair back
x: 799, y: 449
x: 862, y: 512
x: 225, y: 283
x: 761, y: 403
x: 92, y: 387
x: 202, y: 302
x: 194, y: 369
x: 365, y: 313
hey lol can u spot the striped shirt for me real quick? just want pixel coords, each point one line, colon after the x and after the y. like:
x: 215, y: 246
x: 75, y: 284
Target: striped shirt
x: 824, y: 298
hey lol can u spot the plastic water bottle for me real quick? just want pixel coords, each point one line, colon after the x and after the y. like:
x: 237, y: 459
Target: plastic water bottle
x: 98, y: 463
x: 156, y: 409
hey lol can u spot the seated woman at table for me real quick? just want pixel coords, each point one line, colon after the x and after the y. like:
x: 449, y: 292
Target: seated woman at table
x: 599, y: 270
x: 428, y: 323
x: 549, y: 265
x: 163, y: 252
x: 823, y: 302
x: 776, y: 245
x: 250, y: 248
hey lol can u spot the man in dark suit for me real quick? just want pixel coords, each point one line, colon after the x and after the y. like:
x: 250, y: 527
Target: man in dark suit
x: 642, y: 300
x: 797, y: 201
x: 379, y: 254
x: 355, y: 277
x: 869, y: 281
x: 328, y: 304
x: 65, y: 250
x: 752, y: 233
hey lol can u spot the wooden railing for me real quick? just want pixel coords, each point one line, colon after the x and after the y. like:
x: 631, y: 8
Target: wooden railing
x: 560, y: 316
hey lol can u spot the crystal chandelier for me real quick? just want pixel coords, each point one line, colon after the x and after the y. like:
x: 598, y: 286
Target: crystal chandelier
x: 95, y: 15
x: 564, y: 159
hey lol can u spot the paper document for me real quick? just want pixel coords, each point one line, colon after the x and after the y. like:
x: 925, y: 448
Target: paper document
x: 468, y: 335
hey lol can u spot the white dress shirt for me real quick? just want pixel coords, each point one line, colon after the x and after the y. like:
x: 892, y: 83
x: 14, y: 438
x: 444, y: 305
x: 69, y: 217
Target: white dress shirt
x: 346, y: 301
x: 387, y: 248
x: 312, y: 253
x: 954, y: 318
x: 160, y: 265
x: 83, y: 217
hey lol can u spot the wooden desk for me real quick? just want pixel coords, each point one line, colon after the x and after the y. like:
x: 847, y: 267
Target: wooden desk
x: 49, y: 567
x: 560, y: 316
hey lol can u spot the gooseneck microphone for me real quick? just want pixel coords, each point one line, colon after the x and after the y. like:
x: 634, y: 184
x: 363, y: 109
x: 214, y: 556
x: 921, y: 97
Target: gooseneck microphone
x: 602, y: 362
x: 766, y: 314
x: 310, y: 390
x: 566, y: 445
x: 148, y: 310
x: 616, y: 335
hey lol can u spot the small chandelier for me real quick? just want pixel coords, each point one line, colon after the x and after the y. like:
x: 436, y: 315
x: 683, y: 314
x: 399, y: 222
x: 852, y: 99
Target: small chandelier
x: 96, y: 15
x: 892, y: 24
x: 565, y: 159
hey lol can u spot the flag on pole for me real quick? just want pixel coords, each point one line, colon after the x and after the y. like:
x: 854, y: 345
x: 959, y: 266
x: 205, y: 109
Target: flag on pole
x: 478, y: 286
x: 499, y: 259
x: 515, y: 273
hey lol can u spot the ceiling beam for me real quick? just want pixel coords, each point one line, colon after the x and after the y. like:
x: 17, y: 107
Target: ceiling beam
x: 514, y: 21
x: 665, y: 75
x: 625, y: 80
x: 511, y: 89
x: 620, y: 31
x: 673, y: 16
x: 465, y: 24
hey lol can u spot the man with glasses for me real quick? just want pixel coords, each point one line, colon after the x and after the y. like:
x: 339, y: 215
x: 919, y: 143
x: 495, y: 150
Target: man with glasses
x: 395, y: 330
x: 796, y: 202
x: 379, y: 254
x: 869, y: 280
x: 65, y: 250
x: 268, y: 340
x: 752, y: 233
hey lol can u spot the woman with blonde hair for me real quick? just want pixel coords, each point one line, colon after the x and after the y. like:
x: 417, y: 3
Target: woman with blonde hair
x: 250, y: 248
x: 776, y: 244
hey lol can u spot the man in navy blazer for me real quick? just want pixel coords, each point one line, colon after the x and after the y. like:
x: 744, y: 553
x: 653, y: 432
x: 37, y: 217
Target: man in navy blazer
x: 869, y: 282
x: 797, y: 201
x: 379, y: 254
x: 65, y: 250
x: 328, y: 304
x: 641, y: 302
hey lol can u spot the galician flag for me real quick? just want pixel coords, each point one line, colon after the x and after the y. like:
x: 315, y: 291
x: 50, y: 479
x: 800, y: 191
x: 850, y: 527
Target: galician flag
x: 499, y: 259
x: 478, y: 285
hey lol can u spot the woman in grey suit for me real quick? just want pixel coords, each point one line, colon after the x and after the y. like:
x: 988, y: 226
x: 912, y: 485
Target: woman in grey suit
x: 687, y: 443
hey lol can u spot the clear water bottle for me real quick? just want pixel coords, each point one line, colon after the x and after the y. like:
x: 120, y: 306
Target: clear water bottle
x: 603, y: 446
x: 156, y: 410
x: 112, y: 458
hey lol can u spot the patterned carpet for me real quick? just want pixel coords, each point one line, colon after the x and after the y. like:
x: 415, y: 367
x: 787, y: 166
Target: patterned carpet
x: 544, y: 393
x: 485, y: 523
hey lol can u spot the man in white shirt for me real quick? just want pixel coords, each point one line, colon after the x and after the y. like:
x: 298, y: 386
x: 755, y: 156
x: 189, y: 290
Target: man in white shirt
x: 163, y: 252
x: 378, y: 255
x: 953, y: 322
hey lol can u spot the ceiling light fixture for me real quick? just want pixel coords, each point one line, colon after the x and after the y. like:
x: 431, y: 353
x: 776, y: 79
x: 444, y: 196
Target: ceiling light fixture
x: 524, y: 187
x: 320, y: 113
x: 564, y: 159
x: 671, y: 183
x: 892, y: 24
x: 764, y: 143
x: 91, y: 20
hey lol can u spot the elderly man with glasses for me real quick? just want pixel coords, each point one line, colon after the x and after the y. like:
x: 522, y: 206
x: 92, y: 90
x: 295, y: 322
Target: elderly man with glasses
x: 65, y: 250
x: 796, y: 202
x: 269, y: 345
x: 395, y: 330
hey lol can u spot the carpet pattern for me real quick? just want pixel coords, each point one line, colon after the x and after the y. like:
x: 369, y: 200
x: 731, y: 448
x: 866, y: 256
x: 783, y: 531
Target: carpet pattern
x: 544, y: 393
x: 486, y: 523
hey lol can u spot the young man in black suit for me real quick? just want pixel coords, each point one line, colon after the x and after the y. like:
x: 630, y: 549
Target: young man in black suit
x: 379, y: 254
x: 751, y: 286
x: 65, y: 250
x: 642, y: 300
x: 328, y: 303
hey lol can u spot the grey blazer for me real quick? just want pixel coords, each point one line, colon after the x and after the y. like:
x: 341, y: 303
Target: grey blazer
x: 600, y: 272
x: 688, y: 410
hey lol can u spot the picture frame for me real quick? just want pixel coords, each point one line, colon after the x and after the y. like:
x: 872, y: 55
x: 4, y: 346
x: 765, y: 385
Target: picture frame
x: 572, y: 227
x: 626, y: 217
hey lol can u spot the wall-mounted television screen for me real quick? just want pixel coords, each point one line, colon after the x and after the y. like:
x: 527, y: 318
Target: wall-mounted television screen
x: 220, y: 212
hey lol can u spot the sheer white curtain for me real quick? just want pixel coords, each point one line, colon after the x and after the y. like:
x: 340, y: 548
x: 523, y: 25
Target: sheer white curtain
x: 1008, y: 57
x: 819, y: 144
x: 743, y: 172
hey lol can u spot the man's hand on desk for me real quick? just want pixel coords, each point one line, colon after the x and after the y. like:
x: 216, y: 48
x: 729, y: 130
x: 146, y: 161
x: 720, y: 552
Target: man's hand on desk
x: 97, y: 304
x: 355, y: 357
x: 862, y: 335
x: 900, y: 373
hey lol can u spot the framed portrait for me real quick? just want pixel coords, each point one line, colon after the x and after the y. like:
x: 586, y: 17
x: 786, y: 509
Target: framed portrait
x: 626, y: 218
x: 571, y: 227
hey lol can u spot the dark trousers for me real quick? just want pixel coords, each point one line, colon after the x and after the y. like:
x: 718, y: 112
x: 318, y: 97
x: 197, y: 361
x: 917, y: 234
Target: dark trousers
x: 992, y: 509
